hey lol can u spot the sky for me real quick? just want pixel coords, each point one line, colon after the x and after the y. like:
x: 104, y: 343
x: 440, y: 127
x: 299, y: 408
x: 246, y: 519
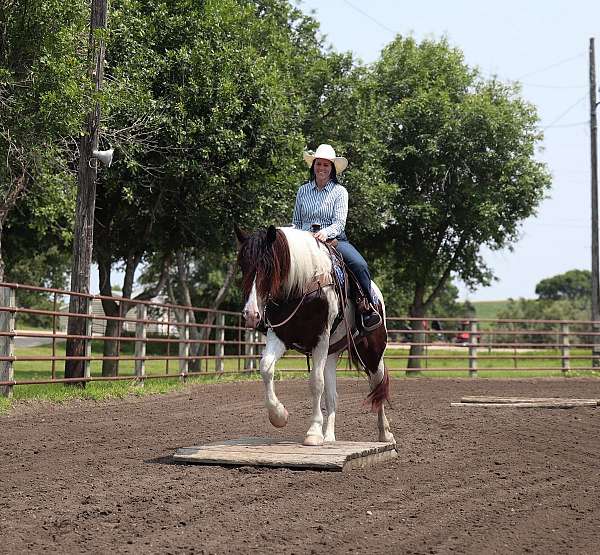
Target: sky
x: 544, y: 45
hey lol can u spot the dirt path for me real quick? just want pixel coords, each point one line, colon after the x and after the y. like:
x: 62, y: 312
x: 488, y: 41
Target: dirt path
x: 97, y: 478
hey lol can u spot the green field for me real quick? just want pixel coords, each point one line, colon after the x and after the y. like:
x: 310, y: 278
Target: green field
x: 443, y: 362
x: 489, y: 309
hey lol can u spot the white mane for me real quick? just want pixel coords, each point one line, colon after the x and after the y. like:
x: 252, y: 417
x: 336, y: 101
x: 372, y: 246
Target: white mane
x: 308, y: 258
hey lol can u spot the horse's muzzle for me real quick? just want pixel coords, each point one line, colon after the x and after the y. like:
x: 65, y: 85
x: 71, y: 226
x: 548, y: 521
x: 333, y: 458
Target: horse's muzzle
x: 251, y: 318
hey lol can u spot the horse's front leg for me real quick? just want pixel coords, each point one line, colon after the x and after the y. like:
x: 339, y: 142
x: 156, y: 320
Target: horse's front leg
x: 314, y: 436
x: 274, y: 350
x: 330, y: 397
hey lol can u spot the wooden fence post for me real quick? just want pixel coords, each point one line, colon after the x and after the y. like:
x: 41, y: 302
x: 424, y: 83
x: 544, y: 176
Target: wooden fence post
x: 473, y: 341
x: 140, y: 343
x: 7, y: 342
x: 220, y: 345
x: 565, y: 350
x: 184, y: 346
x: 249, y: 350
x: 89, y: 328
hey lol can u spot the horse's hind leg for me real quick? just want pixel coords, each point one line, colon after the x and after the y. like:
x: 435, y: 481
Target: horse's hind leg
x: 330, y: 397
x: 274, y: 349
x: 385, y: 434
x: 383, y: 426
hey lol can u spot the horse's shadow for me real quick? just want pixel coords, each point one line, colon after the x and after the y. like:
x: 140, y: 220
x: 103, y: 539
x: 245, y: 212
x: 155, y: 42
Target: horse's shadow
x: 165, y: 459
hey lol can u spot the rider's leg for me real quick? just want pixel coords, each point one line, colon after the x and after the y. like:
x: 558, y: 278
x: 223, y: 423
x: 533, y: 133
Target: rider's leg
x: 358, y: 266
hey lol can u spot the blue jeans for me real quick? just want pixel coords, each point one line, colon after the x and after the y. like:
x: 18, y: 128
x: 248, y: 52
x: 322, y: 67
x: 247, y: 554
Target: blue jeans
x: 357, y: 265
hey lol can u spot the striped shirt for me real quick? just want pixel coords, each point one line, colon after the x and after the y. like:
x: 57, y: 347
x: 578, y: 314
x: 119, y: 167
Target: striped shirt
x: 327, y: 207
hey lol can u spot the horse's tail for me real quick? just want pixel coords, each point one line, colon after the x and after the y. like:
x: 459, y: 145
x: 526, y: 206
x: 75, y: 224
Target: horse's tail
x: 380, y: 393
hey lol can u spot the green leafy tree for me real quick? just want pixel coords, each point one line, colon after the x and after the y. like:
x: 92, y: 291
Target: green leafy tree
x: 572, y: 285
x: 458, y: 154
x: 565, y: 296
x: 41, y: 105
x: 204, y: 103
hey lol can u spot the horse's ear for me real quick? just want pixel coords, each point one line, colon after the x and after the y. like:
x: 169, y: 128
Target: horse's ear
x: 271, y: 234
x: 240, y: 234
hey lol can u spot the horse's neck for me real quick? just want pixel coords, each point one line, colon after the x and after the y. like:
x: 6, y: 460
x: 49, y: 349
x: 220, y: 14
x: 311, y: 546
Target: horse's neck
x: 308, y: 258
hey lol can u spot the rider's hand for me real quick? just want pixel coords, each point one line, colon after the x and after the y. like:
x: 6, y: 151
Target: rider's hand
x: 320, y: 236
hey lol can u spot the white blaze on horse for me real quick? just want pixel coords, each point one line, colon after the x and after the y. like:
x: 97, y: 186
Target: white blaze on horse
x: 285, y: 275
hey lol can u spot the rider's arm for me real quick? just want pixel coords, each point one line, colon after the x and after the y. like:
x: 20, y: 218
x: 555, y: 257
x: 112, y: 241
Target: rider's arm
x: 297, y: 217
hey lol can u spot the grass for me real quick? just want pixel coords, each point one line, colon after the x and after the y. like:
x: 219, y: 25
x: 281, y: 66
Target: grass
x: 396, y: 360
x: 489, y: 309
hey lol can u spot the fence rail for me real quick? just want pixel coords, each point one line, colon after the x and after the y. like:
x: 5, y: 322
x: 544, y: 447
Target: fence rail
x: 199, y: 341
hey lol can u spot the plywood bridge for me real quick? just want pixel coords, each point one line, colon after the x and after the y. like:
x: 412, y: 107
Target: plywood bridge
x: 254, y: 451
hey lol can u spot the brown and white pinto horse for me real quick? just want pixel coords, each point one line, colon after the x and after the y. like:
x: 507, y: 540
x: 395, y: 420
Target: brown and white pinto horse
x: 279, y: 266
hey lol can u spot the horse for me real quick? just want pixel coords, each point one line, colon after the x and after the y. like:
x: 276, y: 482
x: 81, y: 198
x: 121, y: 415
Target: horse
x: 285, y: 286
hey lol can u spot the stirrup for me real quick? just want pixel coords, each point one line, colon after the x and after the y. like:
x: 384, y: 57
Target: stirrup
x: 374, y: 325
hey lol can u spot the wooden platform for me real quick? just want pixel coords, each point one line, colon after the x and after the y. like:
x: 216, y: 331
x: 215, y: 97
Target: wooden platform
x: 255, y: 451
x: 526, y: 402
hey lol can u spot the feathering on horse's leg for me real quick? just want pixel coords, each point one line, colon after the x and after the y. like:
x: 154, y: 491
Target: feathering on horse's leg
x: 330, y: 397
x: 274, y: 350
x: 381, y: 394
x: 314, y: 435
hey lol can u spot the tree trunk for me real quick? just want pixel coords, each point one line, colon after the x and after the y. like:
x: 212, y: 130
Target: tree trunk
x: 186, y: 300
x: 200, y: 349
x: 210, y: 316
x: 114, y: 328
x: 417, y: 310
x: 1, y: 257
x: 111, y: 308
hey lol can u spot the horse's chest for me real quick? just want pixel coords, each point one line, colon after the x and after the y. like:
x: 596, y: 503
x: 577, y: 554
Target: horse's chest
x: 305, y: 327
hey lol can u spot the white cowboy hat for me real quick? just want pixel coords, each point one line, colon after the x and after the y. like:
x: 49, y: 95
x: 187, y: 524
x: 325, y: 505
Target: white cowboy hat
x: 327, y: 153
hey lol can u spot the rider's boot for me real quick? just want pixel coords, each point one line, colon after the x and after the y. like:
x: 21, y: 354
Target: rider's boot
x: 369, y: 317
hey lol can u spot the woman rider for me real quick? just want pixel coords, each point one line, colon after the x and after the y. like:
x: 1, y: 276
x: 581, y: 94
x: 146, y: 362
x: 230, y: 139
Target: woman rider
x: 324, y: 202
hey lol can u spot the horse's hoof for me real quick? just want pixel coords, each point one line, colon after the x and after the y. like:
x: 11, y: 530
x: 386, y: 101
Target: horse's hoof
x: 279, y: 421
x: 387, y: 438
x: 313, y: 441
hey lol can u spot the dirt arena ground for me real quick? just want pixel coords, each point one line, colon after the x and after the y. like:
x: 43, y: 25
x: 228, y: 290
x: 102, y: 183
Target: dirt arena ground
x: 96, y: 477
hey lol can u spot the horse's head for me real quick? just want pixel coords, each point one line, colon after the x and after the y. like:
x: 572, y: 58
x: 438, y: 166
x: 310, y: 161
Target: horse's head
x: 264, y: 259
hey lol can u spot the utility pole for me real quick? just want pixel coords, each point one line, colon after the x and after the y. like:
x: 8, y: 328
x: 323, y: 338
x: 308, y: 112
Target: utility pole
x: 86, y: 198
x: 594, y: 172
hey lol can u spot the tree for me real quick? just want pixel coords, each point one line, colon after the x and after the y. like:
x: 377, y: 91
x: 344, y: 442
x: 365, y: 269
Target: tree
x: 572, y: 285
x: 562, y: 297
x: 204, y: 103
x: 37, y: 245
x: 458, y: 154
x: 41, y: 105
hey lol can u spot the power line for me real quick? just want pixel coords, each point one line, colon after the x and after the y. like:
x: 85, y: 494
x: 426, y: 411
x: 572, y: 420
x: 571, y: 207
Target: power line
x: 580, y: 55
x: 382, y: 25
x: 565, y: 112
x: 554, y: 86
x: 545, y: 68
x: 563, y: 125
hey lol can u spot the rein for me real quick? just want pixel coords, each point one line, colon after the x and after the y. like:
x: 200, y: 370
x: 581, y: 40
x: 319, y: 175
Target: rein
x: 271, y: 325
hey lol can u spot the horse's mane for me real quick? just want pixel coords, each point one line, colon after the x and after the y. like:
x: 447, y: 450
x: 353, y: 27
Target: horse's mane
x: 282, y: 267
x: 308, y: 258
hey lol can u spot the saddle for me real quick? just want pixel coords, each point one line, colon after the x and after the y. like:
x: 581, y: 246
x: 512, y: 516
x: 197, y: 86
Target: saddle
x: 347, y: 283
